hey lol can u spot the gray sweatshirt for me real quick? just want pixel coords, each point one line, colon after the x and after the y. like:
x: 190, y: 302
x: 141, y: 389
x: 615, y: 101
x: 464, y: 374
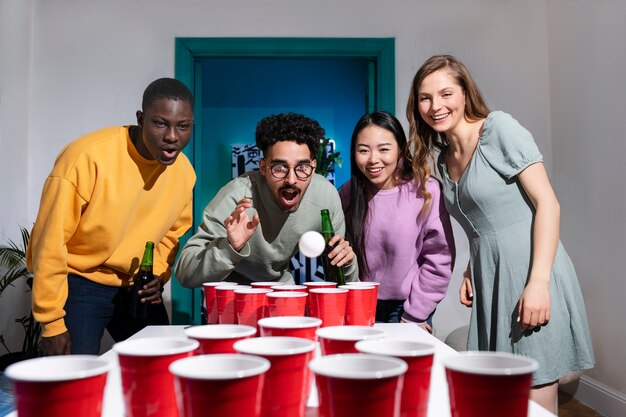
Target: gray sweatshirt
x: 208, y: 256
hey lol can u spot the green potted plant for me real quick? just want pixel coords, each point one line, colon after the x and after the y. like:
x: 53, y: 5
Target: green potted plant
x: 13, y: 267
x: 327, y: 158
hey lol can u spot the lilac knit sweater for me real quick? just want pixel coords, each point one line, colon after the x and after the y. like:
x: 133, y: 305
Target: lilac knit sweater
x: 411, y: 257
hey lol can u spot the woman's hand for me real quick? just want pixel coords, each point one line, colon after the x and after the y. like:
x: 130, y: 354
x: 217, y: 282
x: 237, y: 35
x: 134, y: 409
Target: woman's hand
x: 534, y: 305
x: 423, y: 325
x: 466, y: 293
x: 426, y: 327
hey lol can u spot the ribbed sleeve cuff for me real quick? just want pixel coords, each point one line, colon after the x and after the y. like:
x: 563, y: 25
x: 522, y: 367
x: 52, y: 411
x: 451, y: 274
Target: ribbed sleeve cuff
x: 54, y: 328
x: 408, y: 319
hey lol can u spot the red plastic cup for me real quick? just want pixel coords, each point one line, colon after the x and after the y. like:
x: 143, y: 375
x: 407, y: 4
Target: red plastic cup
x: 227, y: 385
x: 341, y: 339
x: 358, y: 385
x: 265, y: 284
x: 374, y: 296
x: 419, y: 358
x: 209, y: 299
x: 292, y: 326
x: 328, y: 304
x: 225, y: 300
x: 59, y: 386
x: 489, y: 384
x: 289, y: 287
x: 311, y: 285
x: 288, y: 381
x: 286, y: 303
x: 147, y: 384
x: 251, y: 305
x: 219, y: 338
x: 359, y: 304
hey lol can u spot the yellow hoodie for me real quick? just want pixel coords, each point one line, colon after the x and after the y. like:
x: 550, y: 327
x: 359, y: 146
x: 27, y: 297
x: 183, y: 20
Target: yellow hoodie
x: 99, y: 205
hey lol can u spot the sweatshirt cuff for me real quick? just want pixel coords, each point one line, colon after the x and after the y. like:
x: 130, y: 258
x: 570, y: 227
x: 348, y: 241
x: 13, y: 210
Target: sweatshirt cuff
x: 408, y: 319
x: 351, y: 272
x: 243, y: 253
x: 54, y: 328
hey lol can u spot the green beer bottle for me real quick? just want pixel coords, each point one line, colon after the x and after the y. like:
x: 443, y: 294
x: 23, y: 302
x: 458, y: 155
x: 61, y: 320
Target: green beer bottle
x: 332, y: 273
x: 139, y: 310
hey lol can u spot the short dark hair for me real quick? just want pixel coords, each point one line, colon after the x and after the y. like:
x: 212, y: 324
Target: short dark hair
x: 289, y: 127
x: 166, y: 88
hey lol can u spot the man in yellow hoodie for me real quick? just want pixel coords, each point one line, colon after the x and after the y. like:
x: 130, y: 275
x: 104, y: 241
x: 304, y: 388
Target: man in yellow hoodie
x: 109, y: 193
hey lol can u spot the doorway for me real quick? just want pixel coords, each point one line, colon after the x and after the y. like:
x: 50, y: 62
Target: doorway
x: 238, y: 81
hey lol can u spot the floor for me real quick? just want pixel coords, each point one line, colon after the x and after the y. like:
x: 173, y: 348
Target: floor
x: 569, y: 407
x: 6, y: 399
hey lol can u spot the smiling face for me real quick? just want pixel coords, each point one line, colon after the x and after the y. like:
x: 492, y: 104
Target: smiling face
x: 165, y: 128
x: 441, y: 102
x: 376, y: 155
x: 286, y: 192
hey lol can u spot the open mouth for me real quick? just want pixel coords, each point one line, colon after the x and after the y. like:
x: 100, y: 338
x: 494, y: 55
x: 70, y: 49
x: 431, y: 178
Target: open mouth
x: 289, y: 197
x: 169, y: 153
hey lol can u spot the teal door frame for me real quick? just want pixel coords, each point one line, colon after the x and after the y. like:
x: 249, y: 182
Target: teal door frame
x: 190, y: 51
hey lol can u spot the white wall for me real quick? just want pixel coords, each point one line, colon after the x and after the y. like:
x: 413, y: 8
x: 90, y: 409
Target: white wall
x: 15, y: 58
x: 92, y: 59
x: 15, y: 53
x: 588, y: 100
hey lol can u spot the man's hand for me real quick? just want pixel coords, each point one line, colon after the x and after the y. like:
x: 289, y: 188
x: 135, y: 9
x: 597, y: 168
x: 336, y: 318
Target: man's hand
x: 342, y: 253
x: 151, y: 292
x: 239, y: 228
x: 56, y: 345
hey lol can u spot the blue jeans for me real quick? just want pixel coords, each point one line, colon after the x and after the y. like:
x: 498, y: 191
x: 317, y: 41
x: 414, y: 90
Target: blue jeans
x: 91, y: 307
x: 391, y: 311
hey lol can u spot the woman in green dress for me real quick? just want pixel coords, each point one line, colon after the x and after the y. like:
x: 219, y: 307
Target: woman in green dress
x: 520, y: 282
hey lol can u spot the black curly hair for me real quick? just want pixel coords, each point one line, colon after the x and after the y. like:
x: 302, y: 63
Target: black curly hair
x: 289, y: 127
x: 166, y: 88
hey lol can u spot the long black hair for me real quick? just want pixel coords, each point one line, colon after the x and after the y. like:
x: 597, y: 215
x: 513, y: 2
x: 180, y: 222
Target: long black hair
x: 356, y: 215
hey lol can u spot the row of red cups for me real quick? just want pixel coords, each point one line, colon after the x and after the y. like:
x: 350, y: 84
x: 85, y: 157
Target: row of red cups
x: 271, y: 376
x: 220, y: 338
x: 167, y: 377
x: 352, y: 304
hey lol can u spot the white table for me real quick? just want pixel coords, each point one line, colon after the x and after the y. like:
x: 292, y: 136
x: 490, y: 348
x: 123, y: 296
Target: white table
x: 438, y: 405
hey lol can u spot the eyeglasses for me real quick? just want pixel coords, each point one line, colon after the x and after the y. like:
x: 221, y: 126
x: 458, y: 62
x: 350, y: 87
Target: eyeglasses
x: 302, y: 171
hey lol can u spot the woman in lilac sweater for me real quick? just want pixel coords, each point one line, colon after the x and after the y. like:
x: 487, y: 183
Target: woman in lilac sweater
x: 396, y: 222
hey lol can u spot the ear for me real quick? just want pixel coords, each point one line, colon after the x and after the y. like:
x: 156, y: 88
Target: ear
x: 139, y: 115
x: 314, y: 164
x: 262, y: 166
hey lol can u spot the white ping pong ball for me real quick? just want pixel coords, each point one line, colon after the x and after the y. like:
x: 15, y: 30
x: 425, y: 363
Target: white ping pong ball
x: 311, y: 244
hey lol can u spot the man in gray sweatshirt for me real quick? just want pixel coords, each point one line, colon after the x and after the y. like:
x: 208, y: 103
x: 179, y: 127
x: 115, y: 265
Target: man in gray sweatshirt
x: 250, y: 230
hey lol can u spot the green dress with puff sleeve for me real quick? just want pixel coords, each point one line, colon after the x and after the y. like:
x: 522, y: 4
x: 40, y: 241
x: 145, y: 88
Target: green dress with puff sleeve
x: 492, y: 207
